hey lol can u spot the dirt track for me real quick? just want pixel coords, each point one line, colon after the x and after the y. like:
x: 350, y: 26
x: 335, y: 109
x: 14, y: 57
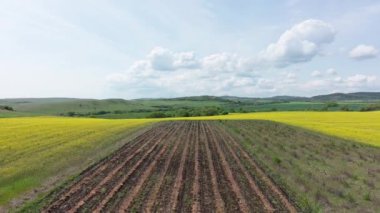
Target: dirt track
x: 184, y: 166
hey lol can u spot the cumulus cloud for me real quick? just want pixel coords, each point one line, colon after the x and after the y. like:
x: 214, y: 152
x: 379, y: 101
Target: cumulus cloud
x: 301, y: 43
x: 165, y: 60
x: 316, y: 73
x: 266, y: 84
x: 331, y: 71
x: 359, y: 80
x: 225, y: 62
x: 166, y: 73
x: 340, y: 83
x: 186, y: 60
x: 362, y: 52
x: 328, y: 72
x: 177, y: 73
x: 289, y: 78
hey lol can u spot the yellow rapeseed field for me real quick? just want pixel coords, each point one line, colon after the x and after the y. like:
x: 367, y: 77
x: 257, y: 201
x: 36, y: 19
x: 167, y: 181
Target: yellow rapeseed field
x: 38, y: 149
x: 358, y: 126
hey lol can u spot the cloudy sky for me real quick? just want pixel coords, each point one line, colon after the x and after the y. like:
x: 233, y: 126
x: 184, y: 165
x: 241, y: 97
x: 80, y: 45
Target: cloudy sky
x: 167, y: 48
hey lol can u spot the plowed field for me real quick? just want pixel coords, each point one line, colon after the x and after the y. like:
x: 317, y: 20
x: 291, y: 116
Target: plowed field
x: 184, y: 166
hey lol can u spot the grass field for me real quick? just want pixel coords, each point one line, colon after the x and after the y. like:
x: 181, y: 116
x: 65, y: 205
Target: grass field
x: 36, y: 150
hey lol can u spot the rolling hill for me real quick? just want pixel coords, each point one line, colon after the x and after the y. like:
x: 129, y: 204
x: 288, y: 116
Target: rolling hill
x: 168, y: 107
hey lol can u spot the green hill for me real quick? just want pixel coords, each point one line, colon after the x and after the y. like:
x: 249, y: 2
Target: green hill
x: 183, y: 106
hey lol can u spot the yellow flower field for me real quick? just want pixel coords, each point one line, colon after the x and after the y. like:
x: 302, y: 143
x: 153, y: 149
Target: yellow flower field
x: 33, y: 150
x: 358, y: 126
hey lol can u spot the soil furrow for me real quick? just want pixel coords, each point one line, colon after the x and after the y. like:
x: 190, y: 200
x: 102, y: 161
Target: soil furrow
x: 228, y: 172
x: 179, y: 178
x: 229, y: 196
x: 207, y: 199
x: 86, y: 188
x: 120, y: 183
x: 163, y: 197
x: 252, y: 184
x: 195, y: 191
x: 103, y: 167
x: 185, y: 198
x: 219, y: 203
x: 289, y: 206
x: 133, y: 192
x: 108, y: 178
x: 153, y: 195
x: 178, y: 166
x: 136, y: 205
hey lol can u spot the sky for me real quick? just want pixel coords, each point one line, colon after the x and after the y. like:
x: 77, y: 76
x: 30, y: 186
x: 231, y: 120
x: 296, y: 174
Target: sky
x: 166, y: 48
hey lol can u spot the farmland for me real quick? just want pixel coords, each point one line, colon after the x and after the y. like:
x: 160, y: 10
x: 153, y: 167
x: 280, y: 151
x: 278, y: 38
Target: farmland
x: 229, y: 166
x: 363, y: 127
x: 178, y: 166
x: 189, y: 106
x: 39, y: 151
x: 321, y: 173
x: 359, y: 126
x: 38, y: 154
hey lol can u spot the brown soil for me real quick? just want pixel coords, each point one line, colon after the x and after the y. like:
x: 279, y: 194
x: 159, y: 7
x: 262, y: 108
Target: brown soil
x: 182, y: 166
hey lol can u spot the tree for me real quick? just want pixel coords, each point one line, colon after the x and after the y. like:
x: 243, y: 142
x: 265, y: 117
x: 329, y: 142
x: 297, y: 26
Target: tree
x: 332, y: 104
x: 71, y: 114
x: 157, y: 115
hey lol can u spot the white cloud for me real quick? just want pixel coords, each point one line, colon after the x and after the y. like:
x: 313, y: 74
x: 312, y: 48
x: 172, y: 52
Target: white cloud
x: 165, y: 60
x: 359, y: 80
x: 186, y: 60
x: 338, y: 83
x: 224, y: 62
x: 266, y: 84
x: 331, y: 71
x: 316, y: 73
x: 219, y: 73
x: 165, y: 73
x: 362, y: 52
x: 301, y: 43
x: 161, y: 59
x: 327, y: 73
x: 338, y: 79
x: 289, y: 78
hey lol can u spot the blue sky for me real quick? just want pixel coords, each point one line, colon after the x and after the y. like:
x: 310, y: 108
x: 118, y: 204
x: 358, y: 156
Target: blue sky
x: 138, y: 49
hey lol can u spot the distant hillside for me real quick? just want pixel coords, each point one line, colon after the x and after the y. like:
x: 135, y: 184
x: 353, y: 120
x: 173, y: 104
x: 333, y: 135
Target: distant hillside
x: 120, y: 108
x: 357, y: 96
x: 62, y: 105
